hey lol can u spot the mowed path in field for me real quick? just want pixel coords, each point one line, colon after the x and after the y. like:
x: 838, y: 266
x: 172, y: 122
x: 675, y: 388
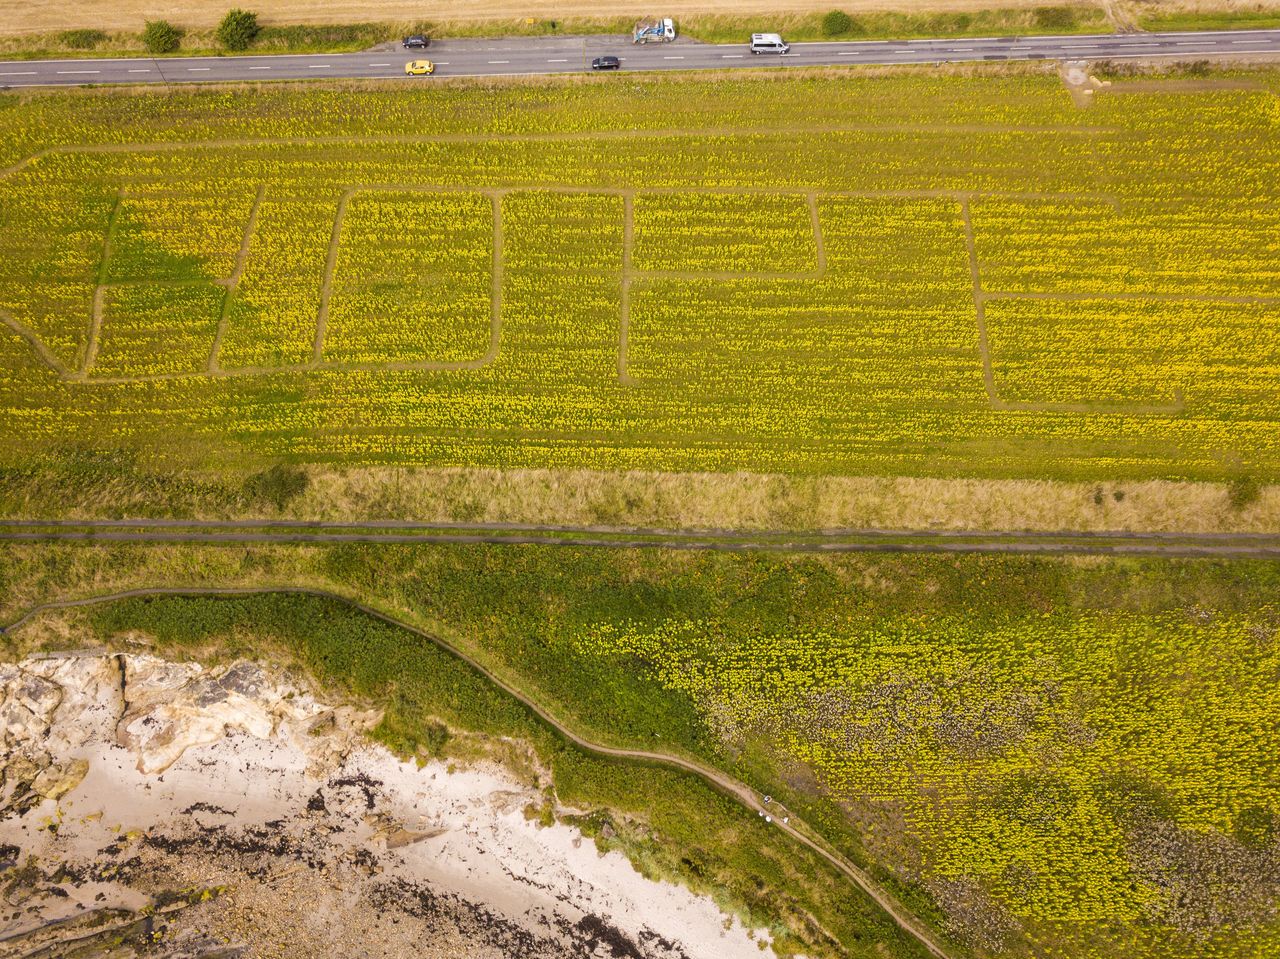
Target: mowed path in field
x: 23, y: 16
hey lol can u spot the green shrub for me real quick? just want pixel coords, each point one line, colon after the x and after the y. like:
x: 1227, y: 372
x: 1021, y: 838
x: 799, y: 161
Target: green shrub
x: 81, y: 39
x: 836, y: 24
x: 1055, y: 18
x: 277, y: 486
x: 161, y: 36
x: 238, y: 29
x: 1243, y: 491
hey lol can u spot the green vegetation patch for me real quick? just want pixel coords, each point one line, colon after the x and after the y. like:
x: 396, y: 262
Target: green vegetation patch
x: 838, y: 24
x: 1236, y: 18
x: 673, y: 826
x: 1067, y: 758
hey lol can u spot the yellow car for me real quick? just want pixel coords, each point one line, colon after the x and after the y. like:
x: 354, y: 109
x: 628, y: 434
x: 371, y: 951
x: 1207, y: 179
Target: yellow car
x: 419, y: 68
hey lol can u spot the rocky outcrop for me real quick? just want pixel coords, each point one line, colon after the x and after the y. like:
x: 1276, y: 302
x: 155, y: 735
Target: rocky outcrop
x: 170, y: 809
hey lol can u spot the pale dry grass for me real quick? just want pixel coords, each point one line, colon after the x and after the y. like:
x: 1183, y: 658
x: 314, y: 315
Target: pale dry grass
x: 760, y: 501
x: 28, y: 16
x: 1138, y: 7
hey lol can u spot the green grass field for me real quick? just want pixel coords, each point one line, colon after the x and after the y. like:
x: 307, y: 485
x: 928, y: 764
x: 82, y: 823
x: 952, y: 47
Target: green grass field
x: 1046, y: 758
x: 958, y: 275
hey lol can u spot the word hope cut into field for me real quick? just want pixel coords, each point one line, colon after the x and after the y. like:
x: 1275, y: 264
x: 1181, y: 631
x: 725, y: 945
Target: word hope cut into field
x: 910, y: 274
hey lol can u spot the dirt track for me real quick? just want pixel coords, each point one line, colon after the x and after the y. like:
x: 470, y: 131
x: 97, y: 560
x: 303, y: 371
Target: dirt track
x: 399, y: 533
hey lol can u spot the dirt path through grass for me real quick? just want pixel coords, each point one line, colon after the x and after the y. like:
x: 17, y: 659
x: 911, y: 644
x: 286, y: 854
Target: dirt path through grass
x: 1255, y: 545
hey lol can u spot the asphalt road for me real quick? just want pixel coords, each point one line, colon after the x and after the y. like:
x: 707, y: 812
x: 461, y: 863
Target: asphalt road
x: 541, y: 55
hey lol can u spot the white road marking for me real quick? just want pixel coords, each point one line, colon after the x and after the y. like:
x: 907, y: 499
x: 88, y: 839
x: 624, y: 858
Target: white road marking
x: 673, y: 58
x: 855, y: 53
x: 499, y: 61
x: 1193, y: 43
x: 79, y: 71
x: 139, y: 71
x: 557, y: 61
x: 319, y: 66
x: 379, y: 64
x: 961, y: 50
x: 737, y: 56
x: 1250, y: 41
x: 259, y: 68
x: 198, y: 69
x: 19, y: 73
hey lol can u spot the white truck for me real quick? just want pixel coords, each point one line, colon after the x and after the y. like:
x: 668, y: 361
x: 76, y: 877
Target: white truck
x: 655, y: 31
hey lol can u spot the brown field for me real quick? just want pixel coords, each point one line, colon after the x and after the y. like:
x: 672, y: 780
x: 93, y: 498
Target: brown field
x: 24, y: 16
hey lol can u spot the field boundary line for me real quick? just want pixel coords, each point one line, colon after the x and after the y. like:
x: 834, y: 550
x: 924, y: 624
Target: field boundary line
x: 233, y: 282
x: 326, y: 282
x: 100, y: 289
x: 624, y: 298
x: 36, y: 342
x: 630, y: 274
x: 980, y: 297
x: 721, y: 782
x: 229, y: 284
x: 984, y: 347
x: 168, y: 146
x: 1077, y: 297
x: 318, y: 362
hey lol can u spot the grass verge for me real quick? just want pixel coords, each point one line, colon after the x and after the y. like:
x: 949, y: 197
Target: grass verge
x: 1165, y: 21
x: 708, y: 28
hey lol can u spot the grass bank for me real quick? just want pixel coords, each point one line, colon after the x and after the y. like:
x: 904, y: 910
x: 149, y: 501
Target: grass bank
x: 278, y: 39
x: 1159, y: 20
x: 709, y: 28
x: 671, y: 825
x: 1094, y: 678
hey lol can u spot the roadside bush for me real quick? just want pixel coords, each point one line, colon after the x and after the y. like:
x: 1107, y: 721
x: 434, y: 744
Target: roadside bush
x: 277, y: 486
x: 1054, y: 18
x: 81, y: 39
x: 238, y: 29
x: 1243, y: 491
x: 836, y: 24
x: 161, y: 36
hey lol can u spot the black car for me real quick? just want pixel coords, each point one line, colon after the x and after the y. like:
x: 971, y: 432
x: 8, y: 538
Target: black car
x: 417, y: 42
x: 606, y: 63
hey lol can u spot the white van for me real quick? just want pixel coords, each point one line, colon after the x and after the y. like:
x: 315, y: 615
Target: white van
x: 768, y: 43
